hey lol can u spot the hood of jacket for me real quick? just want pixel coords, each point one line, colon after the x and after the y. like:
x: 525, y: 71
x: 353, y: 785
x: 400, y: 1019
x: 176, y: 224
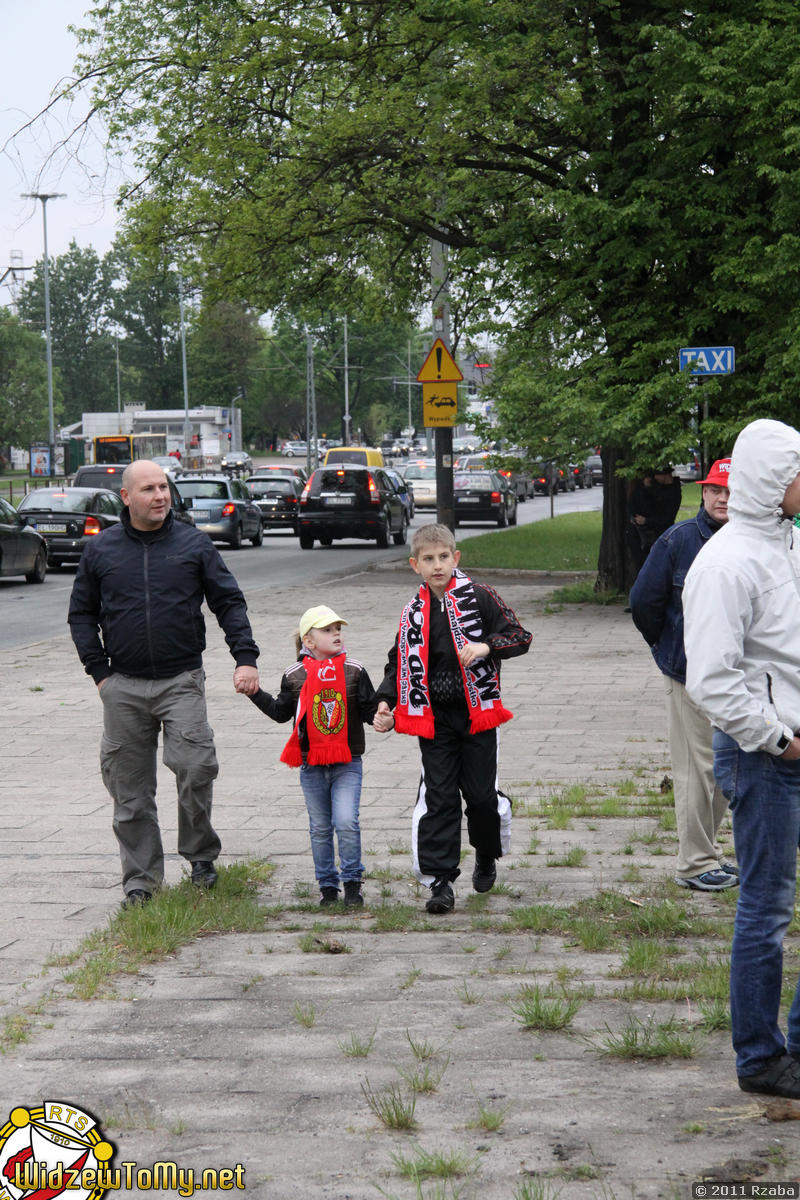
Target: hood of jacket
x: 765, y: 460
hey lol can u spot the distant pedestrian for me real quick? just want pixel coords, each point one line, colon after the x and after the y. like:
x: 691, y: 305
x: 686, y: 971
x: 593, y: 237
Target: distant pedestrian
x: 741, y: 607
x: 656, y: 604
x: 135, y: 617
x: 331, y: 697
x: 442, y: 682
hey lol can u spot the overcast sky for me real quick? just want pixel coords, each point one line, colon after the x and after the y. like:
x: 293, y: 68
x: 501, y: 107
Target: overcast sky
x: 39, y: 53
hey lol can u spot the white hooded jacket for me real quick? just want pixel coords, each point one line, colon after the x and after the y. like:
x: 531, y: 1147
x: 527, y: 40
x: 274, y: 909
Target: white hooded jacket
x: 741, y: 599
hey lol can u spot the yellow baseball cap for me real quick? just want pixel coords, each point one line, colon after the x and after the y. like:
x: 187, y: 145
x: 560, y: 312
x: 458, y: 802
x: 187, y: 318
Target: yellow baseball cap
x: 318, y: 618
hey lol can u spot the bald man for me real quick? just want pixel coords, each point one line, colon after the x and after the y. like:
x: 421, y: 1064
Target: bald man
x: 136, y: 621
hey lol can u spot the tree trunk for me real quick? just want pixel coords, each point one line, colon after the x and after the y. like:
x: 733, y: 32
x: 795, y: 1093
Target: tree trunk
x: 615, y: 568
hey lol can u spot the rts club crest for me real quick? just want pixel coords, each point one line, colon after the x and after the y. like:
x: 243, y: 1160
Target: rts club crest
x: 328, y: 711
x: 51, y: 1150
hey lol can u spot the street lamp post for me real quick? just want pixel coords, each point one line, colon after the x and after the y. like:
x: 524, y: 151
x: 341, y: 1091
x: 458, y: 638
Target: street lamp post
x: 44, y: 197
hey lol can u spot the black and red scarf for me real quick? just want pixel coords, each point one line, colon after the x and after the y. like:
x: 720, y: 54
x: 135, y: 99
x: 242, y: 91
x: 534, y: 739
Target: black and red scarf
x: 413, y: 713
x: 322, y: 704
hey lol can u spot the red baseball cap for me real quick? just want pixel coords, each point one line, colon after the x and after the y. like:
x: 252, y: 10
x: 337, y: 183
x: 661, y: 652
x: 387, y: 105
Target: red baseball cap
x: 719, y: 473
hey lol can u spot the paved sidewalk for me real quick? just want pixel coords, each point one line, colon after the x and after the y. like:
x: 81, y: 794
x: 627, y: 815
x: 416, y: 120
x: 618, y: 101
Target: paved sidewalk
x: 201, y: 1059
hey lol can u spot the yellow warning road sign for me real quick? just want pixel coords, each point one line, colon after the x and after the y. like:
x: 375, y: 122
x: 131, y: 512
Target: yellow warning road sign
x: 439, y: 404
x: 439, y: 366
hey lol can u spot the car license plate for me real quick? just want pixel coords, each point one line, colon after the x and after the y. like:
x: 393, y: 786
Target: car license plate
x: 49, y: 527
x: 468, y: 499
x: 343, y: 500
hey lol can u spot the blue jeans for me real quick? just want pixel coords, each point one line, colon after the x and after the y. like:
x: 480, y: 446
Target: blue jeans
x: 764, y: 796
x: 332, y: 794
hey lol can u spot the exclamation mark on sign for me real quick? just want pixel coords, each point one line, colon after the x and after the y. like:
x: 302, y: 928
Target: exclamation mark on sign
x: 439, y: 362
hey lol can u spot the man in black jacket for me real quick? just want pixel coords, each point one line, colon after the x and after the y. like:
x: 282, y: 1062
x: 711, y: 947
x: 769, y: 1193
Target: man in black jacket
x: 135, y: 617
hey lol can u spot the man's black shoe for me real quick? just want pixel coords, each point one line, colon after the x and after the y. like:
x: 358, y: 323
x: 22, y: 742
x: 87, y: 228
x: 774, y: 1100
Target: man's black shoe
x: 135, y: 898
x: 442, y: 898
x: 780, y: 1077
x: 352, y: 894
x: 203, y: 874
x: 329, y: 896
x: 485, y: 873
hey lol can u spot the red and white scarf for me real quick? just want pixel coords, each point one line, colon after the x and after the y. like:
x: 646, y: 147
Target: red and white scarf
x: 323, y: 705
x: 413, y: 713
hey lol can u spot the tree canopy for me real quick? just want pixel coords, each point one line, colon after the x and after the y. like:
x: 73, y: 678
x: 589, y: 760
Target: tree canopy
x: 614, y: 180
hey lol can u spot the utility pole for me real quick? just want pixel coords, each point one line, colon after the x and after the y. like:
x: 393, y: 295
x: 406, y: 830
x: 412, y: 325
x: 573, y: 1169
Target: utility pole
x: 443, y: 434
x: 347, y: 438
x: 187, y: 427
x: 44, y: 197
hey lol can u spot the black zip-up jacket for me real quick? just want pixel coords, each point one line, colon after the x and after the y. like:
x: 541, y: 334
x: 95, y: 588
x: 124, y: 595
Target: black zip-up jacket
x: 137, y: 598
x: 361, y: 702
x: 501, y: 631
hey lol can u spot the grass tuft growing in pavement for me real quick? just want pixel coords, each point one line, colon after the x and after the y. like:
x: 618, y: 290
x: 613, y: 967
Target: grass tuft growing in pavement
x: 174, y: 917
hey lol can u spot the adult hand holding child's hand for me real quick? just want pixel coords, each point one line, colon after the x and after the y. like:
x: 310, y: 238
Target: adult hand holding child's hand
x: 383, y: 720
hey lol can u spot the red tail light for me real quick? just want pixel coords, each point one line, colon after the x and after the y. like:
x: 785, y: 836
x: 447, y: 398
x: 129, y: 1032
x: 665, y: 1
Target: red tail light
x: 291, y: 499
x: 91, y: 526
x: 228, y: 510
x: 495, y: 497
x: 374, y: 494
x: 304, y: 493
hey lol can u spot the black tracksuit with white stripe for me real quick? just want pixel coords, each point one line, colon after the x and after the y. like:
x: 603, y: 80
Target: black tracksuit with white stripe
x: 455, y: 762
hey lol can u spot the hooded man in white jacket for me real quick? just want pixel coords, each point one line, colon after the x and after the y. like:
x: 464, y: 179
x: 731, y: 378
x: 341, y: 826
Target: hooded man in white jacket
x: 741, y: 606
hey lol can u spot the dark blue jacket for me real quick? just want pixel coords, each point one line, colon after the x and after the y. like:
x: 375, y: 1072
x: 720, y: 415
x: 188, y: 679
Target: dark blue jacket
x: 657, y: 595
x: 136, y: 602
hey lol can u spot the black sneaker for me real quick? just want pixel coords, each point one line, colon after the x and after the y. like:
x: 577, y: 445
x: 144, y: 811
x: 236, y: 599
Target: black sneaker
x: 485, y: 873
x: 780, y: 1077
x: 135, y: 898
x: 204, y: 874
x: 329, y: 896
x: 442, y: 898
x: 352, y: 894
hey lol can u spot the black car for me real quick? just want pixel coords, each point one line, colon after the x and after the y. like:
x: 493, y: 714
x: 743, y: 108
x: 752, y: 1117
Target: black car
x: 278, y: 497
x: 404, y: 489
x: 23, y: 551
x: 68, y: 518
x: 483, y: 496
x: 237, y: 462
x: 222, y: 507
x: 350, y: 501
x: 582, y: 474
x: 108, y: 475
x: 595, y: 464
x: 280, y: 469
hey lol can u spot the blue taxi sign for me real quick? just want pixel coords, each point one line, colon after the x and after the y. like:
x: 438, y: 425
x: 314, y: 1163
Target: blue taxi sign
x: 707, y: 360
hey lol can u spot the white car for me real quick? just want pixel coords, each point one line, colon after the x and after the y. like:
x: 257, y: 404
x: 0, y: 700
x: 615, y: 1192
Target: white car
x: 420, y: 475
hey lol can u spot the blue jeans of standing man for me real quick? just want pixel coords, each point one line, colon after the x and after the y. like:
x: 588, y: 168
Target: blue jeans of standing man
x: 332, y: 795
x: 764, y: 796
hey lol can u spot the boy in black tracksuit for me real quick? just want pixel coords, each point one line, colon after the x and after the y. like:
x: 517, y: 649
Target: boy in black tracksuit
x: 442, y: 683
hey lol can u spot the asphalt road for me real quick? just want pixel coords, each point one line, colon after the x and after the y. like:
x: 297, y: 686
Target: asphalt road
x: 30, y: 613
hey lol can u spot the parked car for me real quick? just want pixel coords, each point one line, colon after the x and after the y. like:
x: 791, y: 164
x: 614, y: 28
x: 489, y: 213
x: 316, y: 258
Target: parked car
x: 366, y: 456
x: 688, y: 472
x: 420, y: 474
x: 222, y: 507
x: 268, y: 469
x: 23, y: 551
x: 278, y: 498
x: 68, y: 518
x: 351, y: 501
x: 595, y: 464
x: 104, y: 475
x: 404, y: 490
x: 483, y: 496
x: 468, y: 444
x: 582, y: 474
x: 295, y: 449
x: 237, y: 462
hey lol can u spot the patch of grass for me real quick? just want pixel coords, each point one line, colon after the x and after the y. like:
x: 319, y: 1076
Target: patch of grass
x: 592, y: 934
x: 411, y: 978
x: 394, y: 918
x: 435, y: 1164
x: 490, y: 1119
x: 535, y: 1009
x: 422, y: 1049
x: 536, y: 918
x: 574, y: 856
x: 716, y: 1015
x: 586, y: 592
x: 468, y: 995
x: 390, y: 1106
x: 357, y: 1046
x: 174, y: 917
x: 16, y: 1030
x: 648, y: 1039
x: 570, y: 542
x: 322, y: 943
x: 426, y: 1077
x: 305, y: 1014
x: 645, y: 956
x: 536, y: 1189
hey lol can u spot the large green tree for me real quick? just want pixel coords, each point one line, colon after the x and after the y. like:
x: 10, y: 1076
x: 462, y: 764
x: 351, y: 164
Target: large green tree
x: 83, y: 348
x: 613, y: 180
x: 23, y: 383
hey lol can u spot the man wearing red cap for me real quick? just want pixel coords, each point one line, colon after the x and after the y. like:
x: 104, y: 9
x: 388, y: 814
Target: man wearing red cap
x: 657, y: 610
